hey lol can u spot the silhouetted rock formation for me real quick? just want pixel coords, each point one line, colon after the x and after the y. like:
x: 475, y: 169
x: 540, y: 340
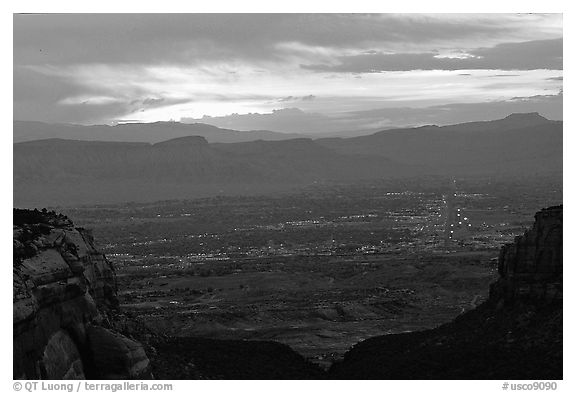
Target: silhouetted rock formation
x: 201, y: 358
x: 516, y: 334
x: 63, y: 293
x: 531, y: 267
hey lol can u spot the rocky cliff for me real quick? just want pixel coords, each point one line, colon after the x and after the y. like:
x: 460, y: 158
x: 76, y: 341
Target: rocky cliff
x: 64, y: 294
x: 516, y: 334
x: 531, y: 267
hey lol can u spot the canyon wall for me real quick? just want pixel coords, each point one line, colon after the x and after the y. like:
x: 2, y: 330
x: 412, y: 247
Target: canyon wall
x: 64, y: 293
x: 531, y: 267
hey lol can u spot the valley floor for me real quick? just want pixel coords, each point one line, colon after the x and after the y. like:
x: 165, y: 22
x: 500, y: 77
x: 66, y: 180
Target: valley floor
x: 320, y: 307
x: 521, y: 341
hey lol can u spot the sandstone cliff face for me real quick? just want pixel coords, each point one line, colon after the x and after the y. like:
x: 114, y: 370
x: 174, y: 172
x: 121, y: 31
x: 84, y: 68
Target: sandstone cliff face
x: 531, y: 267
x: 63, y: 293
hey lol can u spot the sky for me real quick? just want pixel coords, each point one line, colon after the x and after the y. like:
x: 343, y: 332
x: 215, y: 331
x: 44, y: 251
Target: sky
x: 308, y: 73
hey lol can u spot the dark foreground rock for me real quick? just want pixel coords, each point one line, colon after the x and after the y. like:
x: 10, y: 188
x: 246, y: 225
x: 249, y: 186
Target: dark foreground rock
x: 516, y: 342
x: 516, y: 334
x: 64, y: 298
x: 199, y: 358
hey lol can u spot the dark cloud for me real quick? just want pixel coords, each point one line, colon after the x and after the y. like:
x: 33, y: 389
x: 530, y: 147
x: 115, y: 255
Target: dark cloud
x: 150, y: 102
x: 37, y: 97
x: 42, y: 97
x: 531, y: 55
x: 176, y: 38
x: 79, y: 114
x: 309, y: 97
x: 31, y: 85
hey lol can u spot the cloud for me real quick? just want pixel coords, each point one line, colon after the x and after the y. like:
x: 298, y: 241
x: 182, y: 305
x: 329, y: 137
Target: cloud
x: 57, y: 97
x: 193, y: 38
x: 90, y: 68
x: 281, y: 120
x: 531, y: 55
x: 64, y: 94
x: 296, y: 120
x: 309, y: 97
x: 38, y: 96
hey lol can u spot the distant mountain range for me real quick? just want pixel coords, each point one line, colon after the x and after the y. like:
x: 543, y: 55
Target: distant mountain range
x: 190, y: 159
x: 519, y: 143
x: 61, y: 172
x: 140, y: 132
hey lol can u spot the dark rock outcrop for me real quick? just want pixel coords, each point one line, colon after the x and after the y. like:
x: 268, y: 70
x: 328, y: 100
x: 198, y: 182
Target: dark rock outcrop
x: 202, y: 358
x: 531, y: 267
x: 114, y: 355
x: 64, y: 293
x: 516, y: 334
